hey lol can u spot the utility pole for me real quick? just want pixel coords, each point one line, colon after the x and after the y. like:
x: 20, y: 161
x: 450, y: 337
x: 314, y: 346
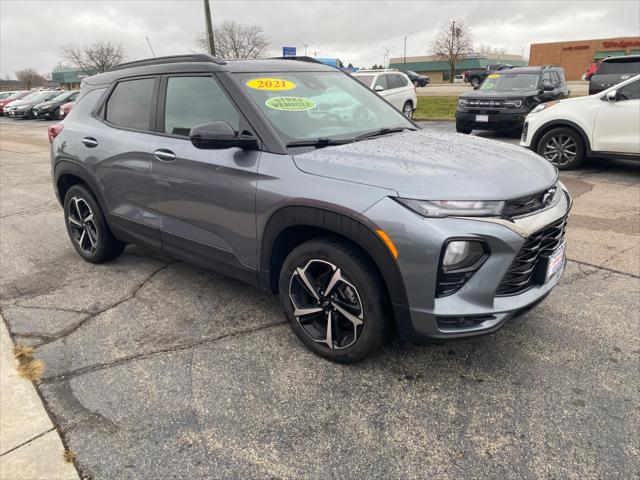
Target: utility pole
x: 386, y: 57
x: 207, y: 17
x: 405, y: 48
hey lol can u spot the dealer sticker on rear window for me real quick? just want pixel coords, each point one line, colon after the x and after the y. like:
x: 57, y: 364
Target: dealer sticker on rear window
x: 271, y: 84
x: 291, y: 104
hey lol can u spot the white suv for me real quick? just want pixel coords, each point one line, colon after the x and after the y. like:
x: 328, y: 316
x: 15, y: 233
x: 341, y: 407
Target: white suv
x: 604, y: 125
x: 394, y: 86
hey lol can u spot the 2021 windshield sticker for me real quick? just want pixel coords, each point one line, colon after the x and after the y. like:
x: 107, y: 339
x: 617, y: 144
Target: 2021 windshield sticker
x: 271, y: 84
x: 494, y: 75
x: 290, y: 104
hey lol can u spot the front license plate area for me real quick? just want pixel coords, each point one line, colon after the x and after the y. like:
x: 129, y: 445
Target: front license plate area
x: 482, y: 118
x: 555, y: 261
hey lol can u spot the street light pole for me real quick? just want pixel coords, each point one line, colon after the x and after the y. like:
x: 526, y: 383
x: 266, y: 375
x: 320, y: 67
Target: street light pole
x: 305, y: 45
x: 386, y: 57
x: 405, y: 48
x: 207, y: 17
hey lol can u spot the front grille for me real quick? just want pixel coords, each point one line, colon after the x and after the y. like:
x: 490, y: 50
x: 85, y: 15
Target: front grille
x: 529, y: 204
x: 521, y: 275
x: 450, y: 283
x: 485, y: 103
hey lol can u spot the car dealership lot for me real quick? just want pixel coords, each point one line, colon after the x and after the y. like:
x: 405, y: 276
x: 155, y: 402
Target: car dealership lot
x: 159, y: 369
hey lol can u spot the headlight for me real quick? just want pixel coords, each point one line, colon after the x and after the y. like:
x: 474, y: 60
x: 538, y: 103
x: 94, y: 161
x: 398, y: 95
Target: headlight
x: 513, y: 103
x: 462, y: 102
x: 454, y: 208
x: 21, y: 107
x: 543, y: 106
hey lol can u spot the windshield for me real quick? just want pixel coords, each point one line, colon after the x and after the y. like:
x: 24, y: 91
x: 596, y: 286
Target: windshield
x: 13, y: 96
x: 311, y: 105
x: 4, y: 95
x: 36, y: 96
x: 612, y: 67
x: 62, y: 96
x: 510, y: 81
x: 411, y: 72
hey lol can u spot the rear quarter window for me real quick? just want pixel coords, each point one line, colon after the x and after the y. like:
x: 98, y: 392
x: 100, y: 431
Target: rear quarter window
x: 130, y: 104
x: 83, y: 107
x: 619, y: 66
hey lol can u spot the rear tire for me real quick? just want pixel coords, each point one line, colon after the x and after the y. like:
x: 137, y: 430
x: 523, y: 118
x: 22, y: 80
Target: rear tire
x: 321, y: 274
x: 407, y: 109
x: 87, y: 228
x: 563, y: 147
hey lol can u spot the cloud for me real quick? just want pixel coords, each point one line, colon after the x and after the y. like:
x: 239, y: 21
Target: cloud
x: 32, y: 33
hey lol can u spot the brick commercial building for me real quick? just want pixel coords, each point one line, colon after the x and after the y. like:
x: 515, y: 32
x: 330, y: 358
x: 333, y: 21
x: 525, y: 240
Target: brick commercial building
x: 576, y: 56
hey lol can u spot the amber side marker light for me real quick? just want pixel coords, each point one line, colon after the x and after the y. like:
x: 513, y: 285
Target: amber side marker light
x: 387, y: 241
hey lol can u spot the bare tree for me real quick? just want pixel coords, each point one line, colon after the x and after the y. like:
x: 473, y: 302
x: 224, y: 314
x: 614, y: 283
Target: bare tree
x: 95, y: 58
x: 30, y: 78
x: 236, y: 40
x: 452, y: 41
x: 485, y: 50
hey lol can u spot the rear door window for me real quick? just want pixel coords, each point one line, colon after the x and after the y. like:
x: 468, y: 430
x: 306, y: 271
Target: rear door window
x: 192, y: 101
x: 130, y: 105
x: 397, y: 81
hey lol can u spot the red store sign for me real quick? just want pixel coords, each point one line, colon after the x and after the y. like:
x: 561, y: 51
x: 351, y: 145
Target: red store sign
x: 621, y: 43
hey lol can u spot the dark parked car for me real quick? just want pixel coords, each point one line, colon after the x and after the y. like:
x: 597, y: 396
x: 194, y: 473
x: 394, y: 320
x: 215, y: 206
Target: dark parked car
x: 51, y: 108
x: 476, y: 76
x: 24, y: 108
x: 417, y: 79
x: 15, y: 96
x: 355, y: 222
x: 613, y: 70
x: 506, y: 97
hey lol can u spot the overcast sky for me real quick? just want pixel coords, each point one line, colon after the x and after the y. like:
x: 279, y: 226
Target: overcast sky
x: 32, y: 33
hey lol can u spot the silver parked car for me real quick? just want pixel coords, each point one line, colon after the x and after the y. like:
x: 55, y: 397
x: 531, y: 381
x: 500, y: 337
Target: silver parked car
x: 362, y: 225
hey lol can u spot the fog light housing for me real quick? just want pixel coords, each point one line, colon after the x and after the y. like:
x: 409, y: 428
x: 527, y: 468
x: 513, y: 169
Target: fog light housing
x: 459, y: 260
x: 460, y: 254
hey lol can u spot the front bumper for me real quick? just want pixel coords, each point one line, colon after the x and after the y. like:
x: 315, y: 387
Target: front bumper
x: 495, y: 121
x: 474, y: 309
x: 43, y: 114
x: 20, y: 113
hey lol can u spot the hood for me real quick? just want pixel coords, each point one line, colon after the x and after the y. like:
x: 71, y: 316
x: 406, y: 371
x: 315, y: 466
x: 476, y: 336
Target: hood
x: 499, y: 94
x: 434, y: 165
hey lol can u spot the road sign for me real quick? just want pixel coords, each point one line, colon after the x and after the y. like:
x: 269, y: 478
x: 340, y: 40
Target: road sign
x: 288, y: 51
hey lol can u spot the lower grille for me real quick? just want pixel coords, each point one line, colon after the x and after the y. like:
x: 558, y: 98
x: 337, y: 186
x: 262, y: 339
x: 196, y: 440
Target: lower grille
x: 521, y: 275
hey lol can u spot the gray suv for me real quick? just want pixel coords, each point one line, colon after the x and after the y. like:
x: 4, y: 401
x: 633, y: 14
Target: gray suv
x: 294, y: 177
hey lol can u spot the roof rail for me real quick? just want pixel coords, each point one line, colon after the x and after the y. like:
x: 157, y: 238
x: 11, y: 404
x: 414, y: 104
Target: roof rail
x: 300, y: 58
x: 550, y: 66
x: 195, y: 57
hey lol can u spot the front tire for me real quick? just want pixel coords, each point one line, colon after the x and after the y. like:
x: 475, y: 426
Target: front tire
x: 87, y: 228
x: 563, y: 147
x: 334, y: 300
x: 462, y: 129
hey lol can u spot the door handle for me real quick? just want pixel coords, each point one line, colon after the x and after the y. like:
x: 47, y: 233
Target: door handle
x: 90, y: 142
x: 165, y: 155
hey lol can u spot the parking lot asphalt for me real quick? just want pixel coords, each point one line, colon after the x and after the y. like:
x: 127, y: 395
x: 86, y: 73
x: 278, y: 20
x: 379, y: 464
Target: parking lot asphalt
x: 158, y: 369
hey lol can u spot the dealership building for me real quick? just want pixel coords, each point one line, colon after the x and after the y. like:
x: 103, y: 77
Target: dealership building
x: 437, y: 69
x: 576, y: 56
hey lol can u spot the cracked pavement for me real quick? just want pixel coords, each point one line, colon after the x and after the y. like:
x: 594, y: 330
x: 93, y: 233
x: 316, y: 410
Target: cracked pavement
x: 158, y: 369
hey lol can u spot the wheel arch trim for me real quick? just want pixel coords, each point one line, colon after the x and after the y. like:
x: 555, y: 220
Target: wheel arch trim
x: 561, y: 123
x: 357, y: 229
x: 66, y: 167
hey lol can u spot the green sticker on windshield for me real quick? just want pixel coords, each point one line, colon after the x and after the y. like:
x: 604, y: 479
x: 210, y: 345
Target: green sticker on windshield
x: 290, y: 104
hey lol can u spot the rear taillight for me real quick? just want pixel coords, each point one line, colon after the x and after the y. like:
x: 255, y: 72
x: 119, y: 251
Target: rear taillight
x: 54, y: 130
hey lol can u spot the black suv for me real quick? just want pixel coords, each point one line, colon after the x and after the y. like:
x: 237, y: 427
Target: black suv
x: 612, y: 71
x: 417, y: 79
x: 506, y: 97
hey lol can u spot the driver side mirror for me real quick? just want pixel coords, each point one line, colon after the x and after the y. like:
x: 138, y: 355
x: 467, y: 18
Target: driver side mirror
x: 612, y: 96
x: 218, y: 135
x: 378, y: 88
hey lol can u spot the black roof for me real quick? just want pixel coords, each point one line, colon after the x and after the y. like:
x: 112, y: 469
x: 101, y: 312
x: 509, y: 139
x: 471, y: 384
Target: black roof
x: 202, y: 62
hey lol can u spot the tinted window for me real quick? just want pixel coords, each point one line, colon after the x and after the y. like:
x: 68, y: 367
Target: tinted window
x: 383, y: 81
x: 630, y: 91
x: 397, y: 81
x: 561, y: 77
x: 193, y: 101
x: 130, y: 104
x: 366, y: 79
x: 85, y: 105
x: 555, y: 80
x: 627, y: 65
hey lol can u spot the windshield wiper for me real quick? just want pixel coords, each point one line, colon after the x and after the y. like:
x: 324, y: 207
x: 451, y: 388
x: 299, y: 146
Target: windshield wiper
x: 318, y: 142
x: 382, y: 131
